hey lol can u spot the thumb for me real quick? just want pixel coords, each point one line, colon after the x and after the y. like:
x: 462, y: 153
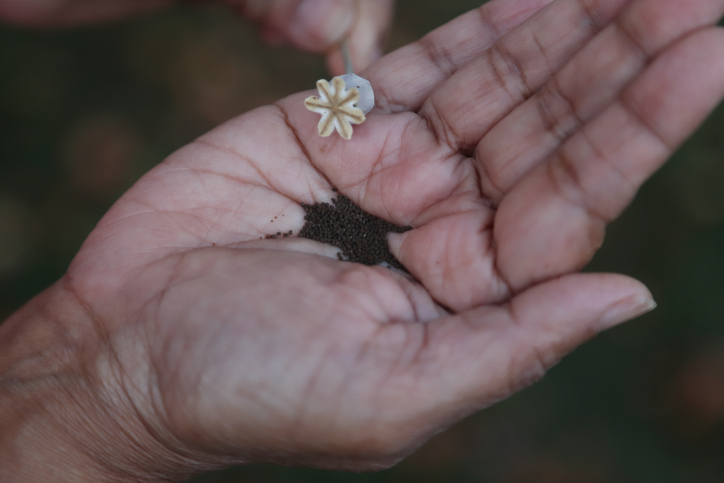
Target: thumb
x: 495, y: 351
x: 313, y: 25
x: 319, y: 24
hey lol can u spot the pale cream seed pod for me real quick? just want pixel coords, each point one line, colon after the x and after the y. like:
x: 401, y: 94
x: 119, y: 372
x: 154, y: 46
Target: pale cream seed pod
x: 338, y: 106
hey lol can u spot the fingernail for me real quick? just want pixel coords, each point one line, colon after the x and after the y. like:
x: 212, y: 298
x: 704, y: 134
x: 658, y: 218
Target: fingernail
x: 625, y: 310
x: 327, y: 20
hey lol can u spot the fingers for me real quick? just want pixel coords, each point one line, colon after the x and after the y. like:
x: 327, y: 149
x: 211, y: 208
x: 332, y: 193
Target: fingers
x: 313, y: 25
x: 495, y: 351
x: 587, y: 84
x: 73, y: 12
x: 406, y: 77
x: 473, y: 100
x: 320, y: 25
x: 553, y: 220
x: 367, y: 37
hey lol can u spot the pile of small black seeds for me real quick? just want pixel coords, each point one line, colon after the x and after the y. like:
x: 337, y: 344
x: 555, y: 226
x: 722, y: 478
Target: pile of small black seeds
x: 361, y: 236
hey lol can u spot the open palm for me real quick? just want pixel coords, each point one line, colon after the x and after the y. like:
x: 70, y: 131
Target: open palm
x: 507, y: 139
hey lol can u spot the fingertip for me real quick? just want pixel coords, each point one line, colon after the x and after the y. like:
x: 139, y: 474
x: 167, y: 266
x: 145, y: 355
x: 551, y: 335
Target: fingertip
x: 395, y: 242
x: 639, y: 301
x: 318, y: 24
x: 585, y: 301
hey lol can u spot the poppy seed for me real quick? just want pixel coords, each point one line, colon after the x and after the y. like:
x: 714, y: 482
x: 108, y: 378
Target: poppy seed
x: 361, y: 237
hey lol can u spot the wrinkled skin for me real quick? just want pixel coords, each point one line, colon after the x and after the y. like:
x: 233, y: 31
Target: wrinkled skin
x: 507, y: 138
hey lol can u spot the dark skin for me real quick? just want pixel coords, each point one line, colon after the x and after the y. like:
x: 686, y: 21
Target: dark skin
x: 179, y: 342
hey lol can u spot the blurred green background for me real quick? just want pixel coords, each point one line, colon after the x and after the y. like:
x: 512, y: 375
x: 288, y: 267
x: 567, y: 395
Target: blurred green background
x: 85, y: 112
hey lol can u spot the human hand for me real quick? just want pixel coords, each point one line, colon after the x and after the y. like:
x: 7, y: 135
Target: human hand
x: 507, y: 139
x: 313, y: 25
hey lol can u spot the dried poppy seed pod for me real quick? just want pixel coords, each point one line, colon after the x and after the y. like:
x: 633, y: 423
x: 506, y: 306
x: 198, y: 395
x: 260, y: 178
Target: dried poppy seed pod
x: 338, y: 107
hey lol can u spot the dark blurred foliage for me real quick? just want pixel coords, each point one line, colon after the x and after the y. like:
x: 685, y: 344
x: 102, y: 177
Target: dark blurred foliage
x: 85, y: 112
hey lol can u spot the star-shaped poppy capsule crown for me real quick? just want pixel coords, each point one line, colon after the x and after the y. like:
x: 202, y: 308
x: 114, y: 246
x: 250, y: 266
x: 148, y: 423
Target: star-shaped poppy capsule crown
x: 337, y: 106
